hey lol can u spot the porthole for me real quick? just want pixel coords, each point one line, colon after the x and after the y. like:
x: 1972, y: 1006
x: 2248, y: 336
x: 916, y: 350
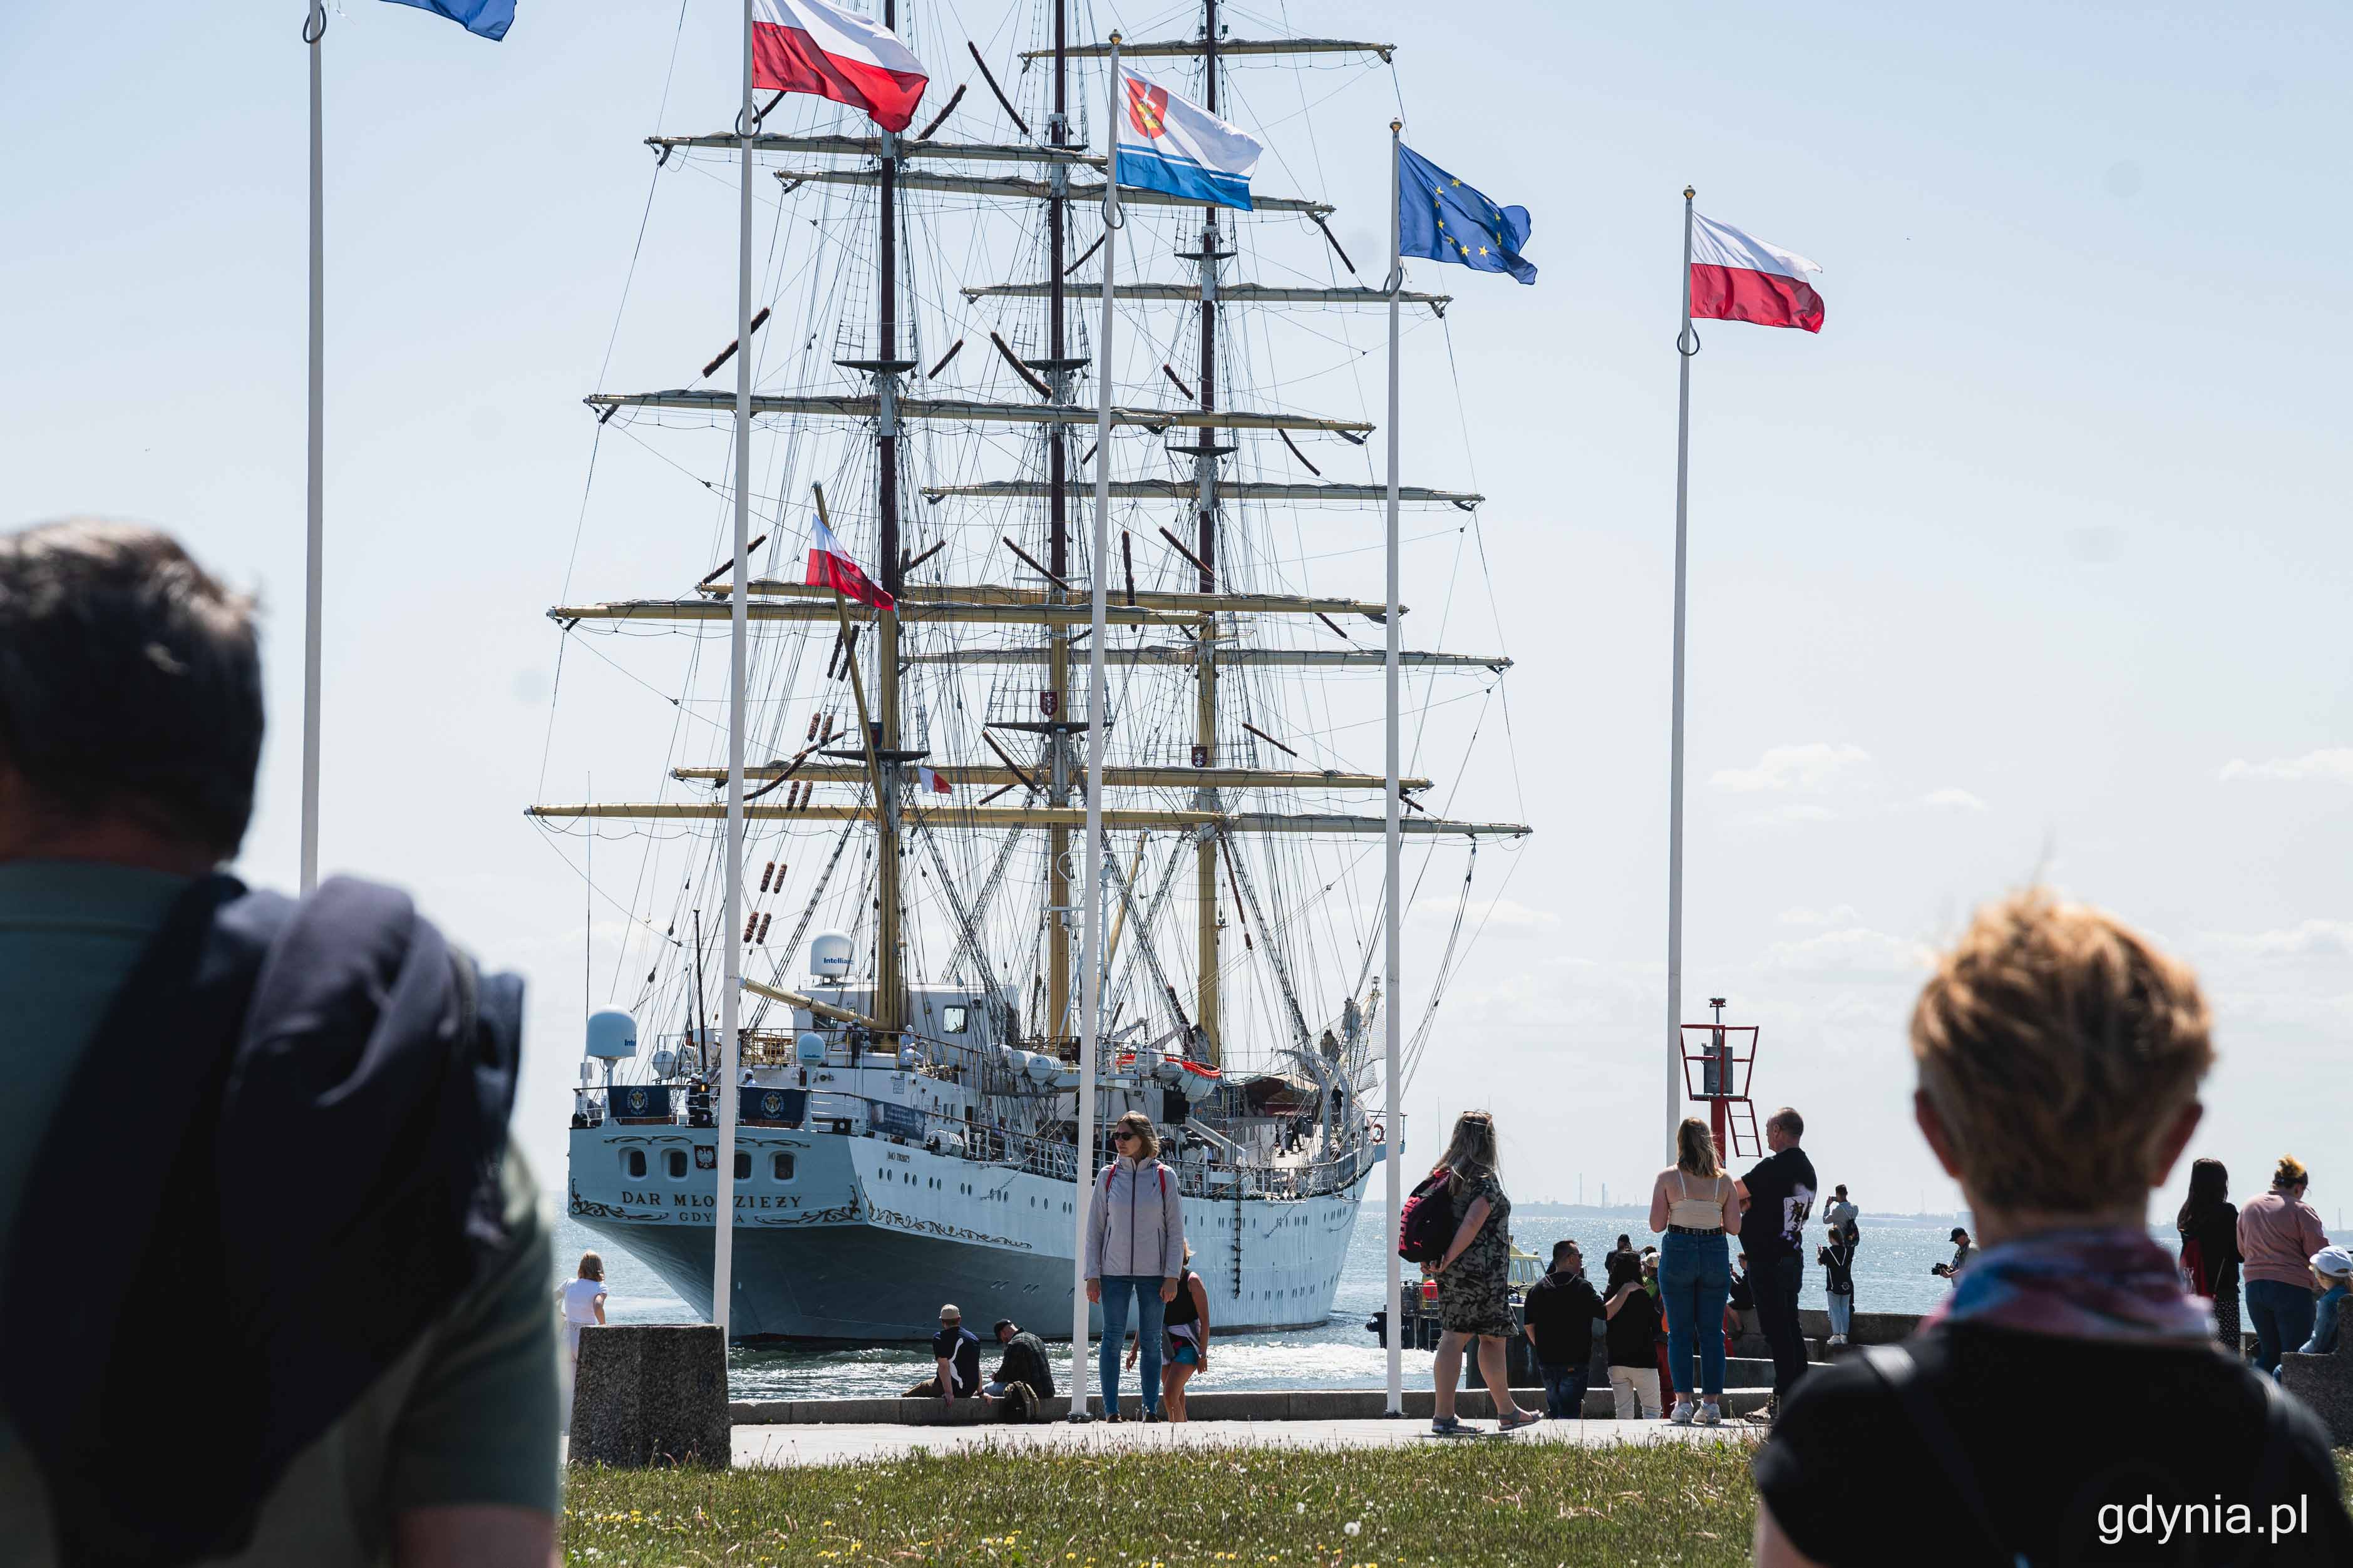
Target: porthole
x: 675, y: 1162
x: 743, y: 1165
x: 633, y: 1162
x: 781, y: 1167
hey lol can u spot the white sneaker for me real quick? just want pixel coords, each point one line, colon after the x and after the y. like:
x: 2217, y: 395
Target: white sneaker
x: 1684, y: 1410
x: 1837, y: 1340
x: 1710, y: 1414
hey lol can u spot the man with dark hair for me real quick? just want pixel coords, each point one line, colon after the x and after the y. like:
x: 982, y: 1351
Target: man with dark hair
x: 292, y: 1118
x: 1779, y: 1191
x: 1557, y: 1315
x: 1025, y: 1375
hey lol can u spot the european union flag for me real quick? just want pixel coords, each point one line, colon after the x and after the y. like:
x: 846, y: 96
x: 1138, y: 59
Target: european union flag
x: 483, y: 18
x: 1443, y: 220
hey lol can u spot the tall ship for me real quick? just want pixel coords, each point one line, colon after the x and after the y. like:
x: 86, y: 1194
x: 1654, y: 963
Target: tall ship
x: 926, y: 383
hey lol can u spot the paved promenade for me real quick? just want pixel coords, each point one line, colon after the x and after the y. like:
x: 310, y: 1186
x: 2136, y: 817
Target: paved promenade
x: 834, y: 1444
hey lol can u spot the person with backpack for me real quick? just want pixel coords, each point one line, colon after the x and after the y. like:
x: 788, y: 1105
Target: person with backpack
x: 1473, y: 1274
x: 1695, y: 1206
x: 2209, y: 1227
x: 314, y: 1327
x: 1836, y: 1255
x: 2059, y: 1056
x: 1136, y: 1252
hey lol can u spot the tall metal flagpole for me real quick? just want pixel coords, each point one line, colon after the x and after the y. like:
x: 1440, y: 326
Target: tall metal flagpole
x: 1686, y: 345
x: 1393, y: 841
x: 1091, y: 932
x: 314, y: 34
x: 731, y: 989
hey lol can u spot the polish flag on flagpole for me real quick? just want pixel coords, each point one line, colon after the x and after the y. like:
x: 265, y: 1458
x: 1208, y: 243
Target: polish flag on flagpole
x: 932, y: 784
x: 1736, y: 277
x: 807, y: 45
x: 829, y: 566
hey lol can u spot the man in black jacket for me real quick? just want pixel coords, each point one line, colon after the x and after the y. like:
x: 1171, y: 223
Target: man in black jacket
x: 1025, y: 1362
x: 1557, y: 1317
x: 1779, y: 1190
x: 294, y: 1117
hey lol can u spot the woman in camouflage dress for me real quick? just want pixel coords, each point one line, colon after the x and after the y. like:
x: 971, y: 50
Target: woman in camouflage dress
x: 1474, y: 1290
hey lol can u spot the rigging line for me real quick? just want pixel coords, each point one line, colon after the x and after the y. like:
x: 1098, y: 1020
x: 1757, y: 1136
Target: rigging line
x: 550, y: 836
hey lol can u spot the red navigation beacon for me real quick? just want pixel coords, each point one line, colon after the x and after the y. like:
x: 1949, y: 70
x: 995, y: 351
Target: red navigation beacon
x: 1717, y: 1059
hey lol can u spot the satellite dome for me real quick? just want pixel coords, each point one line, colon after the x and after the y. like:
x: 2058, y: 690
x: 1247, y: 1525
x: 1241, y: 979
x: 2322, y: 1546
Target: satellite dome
x: 828, y: 956
x: 810, y: 1047
x: 612, y: 1035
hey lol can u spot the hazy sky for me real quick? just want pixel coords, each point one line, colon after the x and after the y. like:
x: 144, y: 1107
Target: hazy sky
x: 2034, y: 562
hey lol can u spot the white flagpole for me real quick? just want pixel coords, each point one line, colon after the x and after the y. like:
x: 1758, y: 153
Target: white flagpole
x: 314, y: 34
x: 1393, y: 841
x: 731, y: 988
x: 1091, y: 932
x: 1686, y: 345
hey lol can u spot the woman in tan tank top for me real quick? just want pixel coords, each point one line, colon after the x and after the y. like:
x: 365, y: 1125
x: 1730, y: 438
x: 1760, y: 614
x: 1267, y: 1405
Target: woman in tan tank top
x: 1697, y: 1207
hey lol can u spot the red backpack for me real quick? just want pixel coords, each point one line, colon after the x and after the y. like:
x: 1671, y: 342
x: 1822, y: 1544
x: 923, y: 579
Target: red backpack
x: 1426, y: 1222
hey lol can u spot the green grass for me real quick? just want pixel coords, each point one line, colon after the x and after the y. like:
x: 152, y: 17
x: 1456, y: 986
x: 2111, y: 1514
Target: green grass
x: 1471, y: 1504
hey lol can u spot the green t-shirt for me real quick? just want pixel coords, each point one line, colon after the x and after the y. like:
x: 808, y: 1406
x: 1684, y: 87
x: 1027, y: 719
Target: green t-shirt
x: 469, y: 1414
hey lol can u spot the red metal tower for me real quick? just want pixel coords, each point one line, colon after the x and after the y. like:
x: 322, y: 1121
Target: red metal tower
x: 1717, y: 1059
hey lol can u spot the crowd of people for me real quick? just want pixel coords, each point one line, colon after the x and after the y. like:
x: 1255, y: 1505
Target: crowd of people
x: 2059, y: 1057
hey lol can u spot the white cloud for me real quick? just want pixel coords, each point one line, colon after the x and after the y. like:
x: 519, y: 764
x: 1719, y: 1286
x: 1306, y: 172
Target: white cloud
x: 1504, y: 915
x: 2334, y: 763
x: 1950, y: 799
x: 1840, y: 914
x: 1810, y: 766
x: 2312, y: 939
x: 1854, y: 953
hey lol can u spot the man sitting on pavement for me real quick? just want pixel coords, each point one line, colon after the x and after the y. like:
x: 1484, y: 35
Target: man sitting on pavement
x: 956, y: 1353
x: 1024, y: 1377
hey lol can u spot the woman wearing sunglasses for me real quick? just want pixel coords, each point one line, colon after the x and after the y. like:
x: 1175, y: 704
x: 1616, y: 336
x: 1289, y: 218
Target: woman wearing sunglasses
x: 1135, y: 1250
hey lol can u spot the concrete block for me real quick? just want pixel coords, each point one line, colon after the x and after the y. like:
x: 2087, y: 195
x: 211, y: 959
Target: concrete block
x: 650, y: 1393
x: 2325, y: 1383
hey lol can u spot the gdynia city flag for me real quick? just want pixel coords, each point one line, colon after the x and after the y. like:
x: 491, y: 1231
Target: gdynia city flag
x: 1441, y: 218
x: 1165, y: 143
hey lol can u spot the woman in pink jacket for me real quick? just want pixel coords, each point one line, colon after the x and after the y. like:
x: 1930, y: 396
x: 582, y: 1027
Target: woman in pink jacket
x: 2278, y: 1234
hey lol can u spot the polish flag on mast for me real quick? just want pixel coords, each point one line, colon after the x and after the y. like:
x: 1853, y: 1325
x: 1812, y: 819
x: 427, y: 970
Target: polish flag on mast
x: 1735, y: 278
x: 829, y: 566
x: 807, y: 45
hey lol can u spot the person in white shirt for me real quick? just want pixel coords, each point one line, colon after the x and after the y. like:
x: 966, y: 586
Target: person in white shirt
x: 584, y: 1302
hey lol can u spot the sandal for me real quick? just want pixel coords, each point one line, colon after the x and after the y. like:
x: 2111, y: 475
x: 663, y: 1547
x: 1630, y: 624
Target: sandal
x: 1525, y: 1418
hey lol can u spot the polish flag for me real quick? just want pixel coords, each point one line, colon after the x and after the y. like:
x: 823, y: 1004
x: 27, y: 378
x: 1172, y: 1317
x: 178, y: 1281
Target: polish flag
x: 807, y: 45
x: 829, y: 566
x: 930, y: 783
x: 1735, y: 278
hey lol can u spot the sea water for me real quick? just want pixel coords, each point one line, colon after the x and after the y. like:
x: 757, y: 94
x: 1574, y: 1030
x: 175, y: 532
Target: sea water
x: 1890, y: 1275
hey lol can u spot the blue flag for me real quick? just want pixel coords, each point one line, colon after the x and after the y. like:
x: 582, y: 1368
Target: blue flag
x: 1442, y: 219
x: 483, y: 18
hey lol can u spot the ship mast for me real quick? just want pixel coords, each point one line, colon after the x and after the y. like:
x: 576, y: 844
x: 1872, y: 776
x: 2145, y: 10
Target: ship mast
x: 890, y: 980
x: 1204, y: 549
x: 1058, y: 550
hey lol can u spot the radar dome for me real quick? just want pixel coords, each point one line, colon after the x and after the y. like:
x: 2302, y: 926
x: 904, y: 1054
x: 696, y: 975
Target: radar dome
x: 810, y: 1047
x: 828, y: 956
x: 612, y: 1035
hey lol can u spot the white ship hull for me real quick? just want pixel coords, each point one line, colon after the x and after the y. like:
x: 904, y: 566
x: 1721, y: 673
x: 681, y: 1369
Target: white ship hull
x: 866, y: 1236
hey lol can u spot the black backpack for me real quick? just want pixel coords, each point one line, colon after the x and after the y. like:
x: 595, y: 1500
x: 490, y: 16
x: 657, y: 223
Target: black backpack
x: 1426, y: 1222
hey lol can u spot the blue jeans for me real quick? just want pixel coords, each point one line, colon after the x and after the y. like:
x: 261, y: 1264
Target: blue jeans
x: 1563, y: 1389
x: 1841, y: 1312
x: 1695, y: 1273
x: 2282, y: 1315
x: 1115, y: 1291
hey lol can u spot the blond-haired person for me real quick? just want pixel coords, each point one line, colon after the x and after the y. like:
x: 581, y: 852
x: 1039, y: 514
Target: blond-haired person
x: 1136, y: 1252
x: 1694, y: 1205
x: 2278, y: 1234
x: 2059, y: 1054
x: 583, y: 1298
x: 1474, y: 1277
